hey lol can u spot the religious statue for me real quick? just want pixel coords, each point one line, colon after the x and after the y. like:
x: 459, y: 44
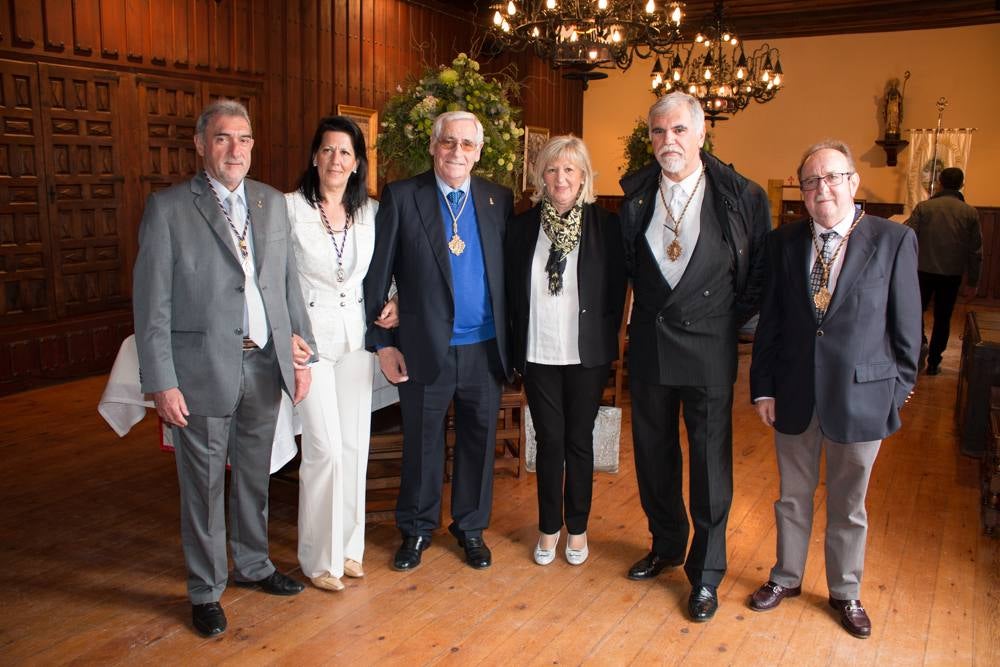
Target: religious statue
x: 893, y: 109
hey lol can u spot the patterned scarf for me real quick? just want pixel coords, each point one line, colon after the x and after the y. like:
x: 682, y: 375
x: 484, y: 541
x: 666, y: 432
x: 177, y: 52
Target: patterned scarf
x: 564, y: 233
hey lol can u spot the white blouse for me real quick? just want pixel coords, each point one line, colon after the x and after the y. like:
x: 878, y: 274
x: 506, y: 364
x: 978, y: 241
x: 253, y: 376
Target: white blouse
x: 553, y: 321
x: 336, y: 309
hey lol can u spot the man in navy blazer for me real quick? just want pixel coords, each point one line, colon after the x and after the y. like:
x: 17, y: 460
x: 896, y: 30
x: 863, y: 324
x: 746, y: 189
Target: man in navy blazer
x: 834, y: 360
x: 440, y: 235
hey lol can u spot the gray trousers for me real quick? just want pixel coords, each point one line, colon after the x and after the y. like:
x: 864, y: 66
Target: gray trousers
x: 848, y: 469
x: 202, y: 448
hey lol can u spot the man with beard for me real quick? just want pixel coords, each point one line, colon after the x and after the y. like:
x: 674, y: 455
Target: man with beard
x: 694, y: 244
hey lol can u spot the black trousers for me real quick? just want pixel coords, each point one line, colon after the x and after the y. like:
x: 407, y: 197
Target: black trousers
x: 563, y: 401
x: 944, y: 290
x: 708, y: 419
x: 471, y: 375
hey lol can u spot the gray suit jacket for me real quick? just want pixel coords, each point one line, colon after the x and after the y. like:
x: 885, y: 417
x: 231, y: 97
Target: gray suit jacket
x: 188, y: 293
x: 857, y: 366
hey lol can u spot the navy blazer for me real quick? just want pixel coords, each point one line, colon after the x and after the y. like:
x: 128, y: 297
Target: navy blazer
x: 410, y: 246
x: 856, y: 367
x: 600, y: 278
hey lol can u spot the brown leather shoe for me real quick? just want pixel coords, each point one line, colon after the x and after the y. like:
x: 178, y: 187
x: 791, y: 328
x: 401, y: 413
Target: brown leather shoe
x: 853, y: 617
x: 770, y: 595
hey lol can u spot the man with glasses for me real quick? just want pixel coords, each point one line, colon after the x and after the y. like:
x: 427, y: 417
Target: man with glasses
x: 834, y: 360
x: 440, y: 235
x: 693, y: 230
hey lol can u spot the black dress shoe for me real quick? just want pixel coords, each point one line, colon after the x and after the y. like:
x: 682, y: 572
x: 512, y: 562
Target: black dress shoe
x: 208, y: 618
x: 276, y: 584
x: 934, y: 369
x: 651, y: 565
x: 477, y: 554
x: 770, y: 595
x: 408, y: 555
x: 853, y: 617
x: 702, y: 603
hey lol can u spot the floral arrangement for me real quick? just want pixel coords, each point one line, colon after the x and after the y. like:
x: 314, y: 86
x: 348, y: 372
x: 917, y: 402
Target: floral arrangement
x: 409, y: 116
x: 639, y: 149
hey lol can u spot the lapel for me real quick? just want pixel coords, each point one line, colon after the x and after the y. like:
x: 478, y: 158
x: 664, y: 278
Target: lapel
x: 207, y: 204
x: 860, y: 250
x: 259, y: 219
x: 797, y: 266
x: 364, y: 234
x: 488, y: 219
x: 588, y: 278
x: 532, y: 230
x: 427, y: 200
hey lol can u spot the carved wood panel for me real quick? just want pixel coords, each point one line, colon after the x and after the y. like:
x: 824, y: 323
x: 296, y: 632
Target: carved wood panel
x: 80, y: 121
x: 248, y: 95
x: 169, y: 109
x: 26, y: 292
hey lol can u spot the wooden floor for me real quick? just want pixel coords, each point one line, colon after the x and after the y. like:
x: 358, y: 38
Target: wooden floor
x: 93, y: 573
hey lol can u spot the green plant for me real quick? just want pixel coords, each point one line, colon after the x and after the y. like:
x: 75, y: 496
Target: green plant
x: 409, y: 115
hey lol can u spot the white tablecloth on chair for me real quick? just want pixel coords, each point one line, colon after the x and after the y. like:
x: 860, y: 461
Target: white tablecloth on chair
x: 123, y: 405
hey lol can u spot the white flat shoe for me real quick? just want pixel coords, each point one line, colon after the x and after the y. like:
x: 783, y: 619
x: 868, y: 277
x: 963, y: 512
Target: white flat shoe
x: 546, y: 556
x: 576, y: 556
x: 352, y: 568
x: 327, y: 582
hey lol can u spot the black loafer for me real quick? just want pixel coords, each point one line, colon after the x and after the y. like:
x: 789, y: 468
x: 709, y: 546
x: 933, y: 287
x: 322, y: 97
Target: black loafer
x: 408, y: 555
x: 276, y: 584
x: 702, y: 603
x: 651, y: 565
x: 477, y: 554
x: 208, y: 618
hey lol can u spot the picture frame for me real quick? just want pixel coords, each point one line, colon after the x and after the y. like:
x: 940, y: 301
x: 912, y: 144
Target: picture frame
x: 534, y: 138
x: 367, y: 120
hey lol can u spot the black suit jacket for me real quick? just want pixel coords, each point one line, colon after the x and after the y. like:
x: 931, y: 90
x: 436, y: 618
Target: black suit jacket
x: 410, y: 245
x: 859, y: 364
x: 687, y: 336
x: 600, y: 278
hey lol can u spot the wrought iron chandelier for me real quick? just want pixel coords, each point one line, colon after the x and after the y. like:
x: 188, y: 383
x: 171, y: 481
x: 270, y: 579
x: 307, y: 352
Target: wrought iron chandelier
x: 583, y: 35
x: 715, y: 69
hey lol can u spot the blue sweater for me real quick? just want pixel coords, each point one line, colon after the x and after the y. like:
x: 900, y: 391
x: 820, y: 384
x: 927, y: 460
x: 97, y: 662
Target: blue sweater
x: 473, y: 307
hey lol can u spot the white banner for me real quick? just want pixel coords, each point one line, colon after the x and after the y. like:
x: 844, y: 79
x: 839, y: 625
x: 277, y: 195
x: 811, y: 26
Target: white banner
x: 953, y: 146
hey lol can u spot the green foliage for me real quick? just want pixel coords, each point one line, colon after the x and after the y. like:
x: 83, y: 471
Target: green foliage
x: 409, y: 115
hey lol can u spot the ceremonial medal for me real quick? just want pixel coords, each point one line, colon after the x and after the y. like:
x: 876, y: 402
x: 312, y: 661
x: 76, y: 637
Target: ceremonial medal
x: 674, y: 250
x: 456, y: 245
x: 822, y: 299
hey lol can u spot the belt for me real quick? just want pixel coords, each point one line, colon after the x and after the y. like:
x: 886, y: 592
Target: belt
x: 249, y: 344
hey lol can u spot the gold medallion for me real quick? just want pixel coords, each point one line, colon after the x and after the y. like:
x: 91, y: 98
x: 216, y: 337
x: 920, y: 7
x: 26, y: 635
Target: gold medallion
x: 822, y: 299
x: 456, y: 245
x: 674, y: 250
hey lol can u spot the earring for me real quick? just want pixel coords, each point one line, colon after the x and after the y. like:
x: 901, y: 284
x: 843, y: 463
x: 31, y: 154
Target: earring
x: 314, y: 163
x: 355, y: 171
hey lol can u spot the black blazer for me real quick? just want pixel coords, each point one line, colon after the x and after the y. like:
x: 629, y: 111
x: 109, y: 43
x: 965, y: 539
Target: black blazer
x: 410, y: 245
x: 857, y: 366
x: 600, y: 275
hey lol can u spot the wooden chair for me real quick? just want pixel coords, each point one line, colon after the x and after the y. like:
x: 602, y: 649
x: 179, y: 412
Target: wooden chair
x: 615, y: 392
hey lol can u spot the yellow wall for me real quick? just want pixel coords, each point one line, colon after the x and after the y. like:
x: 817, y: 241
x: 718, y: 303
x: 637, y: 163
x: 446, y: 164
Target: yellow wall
x: 833, y: 89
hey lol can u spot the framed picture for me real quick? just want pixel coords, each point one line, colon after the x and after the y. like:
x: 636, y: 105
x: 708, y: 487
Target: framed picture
x: 534, y: 139
x: 367, y: 120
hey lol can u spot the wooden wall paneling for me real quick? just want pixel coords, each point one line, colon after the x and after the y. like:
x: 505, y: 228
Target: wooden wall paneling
x: 136, y: 30
x: 26, y: 291
x: 161, y: 44
x: 168, y: 109
x: 340, y: 50
x: 259, y: 35
x: 279, y: 36
x: 112, y: 22
x: 369, y: 91
x: 26, y: 23
x: 220, y: 27
x: 250, y: 95
x: 989, y: 281
x: 325, y: 69
x: 81, y: 121
x: 355, y: 73
x: 382, y: 89
x: 292, y: 88
x: 308, y: 70
x: 201, y: 34
x: 57, y: 25
x: 180, y: 22
x: 86, y: 27
x: 243, y: 36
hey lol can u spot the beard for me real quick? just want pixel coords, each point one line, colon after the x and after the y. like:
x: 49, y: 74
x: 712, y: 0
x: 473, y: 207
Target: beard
x: 672, y: 163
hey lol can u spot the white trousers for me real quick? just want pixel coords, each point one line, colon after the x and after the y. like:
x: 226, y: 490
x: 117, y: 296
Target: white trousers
x: 336, y: 423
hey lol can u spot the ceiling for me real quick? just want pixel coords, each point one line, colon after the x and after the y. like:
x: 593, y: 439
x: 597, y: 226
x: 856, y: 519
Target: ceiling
x: 770, y: 19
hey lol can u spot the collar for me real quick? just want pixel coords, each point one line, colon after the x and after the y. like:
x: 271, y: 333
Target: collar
x: 948, y: 193
x: 445, y: 188
x: 223, y: 192
x: 841, y: 227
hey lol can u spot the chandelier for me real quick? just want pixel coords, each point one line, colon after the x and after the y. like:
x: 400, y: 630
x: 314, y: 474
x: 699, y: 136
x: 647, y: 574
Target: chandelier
x: 715, y: 69
x: 582, y: 35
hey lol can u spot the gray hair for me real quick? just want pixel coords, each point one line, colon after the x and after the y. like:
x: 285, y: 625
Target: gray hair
x: 669, y: 102
x: 451, y: 116
x: 220, y: 107
x: 569, y: 147
x: 832, y: 144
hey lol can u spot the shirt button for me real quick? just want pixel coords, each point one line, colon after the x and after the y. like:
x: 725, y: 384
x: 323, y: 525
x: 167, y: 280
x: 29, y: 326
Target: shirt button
x: 820, y: 333
x: 706, y: 293
x: 342, y: 304
x: 312, y: 304
x: 342, y: 295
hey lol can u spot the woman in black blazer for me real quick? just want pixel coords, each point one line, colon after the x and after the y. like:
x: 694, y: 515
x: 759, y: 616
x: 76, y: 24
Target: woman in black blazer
x: 565, y: 273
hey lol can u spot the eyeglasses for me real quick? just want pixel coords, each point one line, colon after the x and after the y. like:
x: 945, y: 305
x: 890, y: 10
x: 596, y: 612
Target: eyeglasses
x: 831, y: 179
x: 449, y: 144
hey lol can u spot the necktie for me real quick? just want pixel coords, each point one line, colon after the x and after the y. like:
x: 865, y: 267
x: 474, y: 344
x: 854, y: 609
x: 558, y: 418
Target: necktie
x: 816, y: 275
x: 254, y: 305
x: 455, y: 201
x: 676, y: 201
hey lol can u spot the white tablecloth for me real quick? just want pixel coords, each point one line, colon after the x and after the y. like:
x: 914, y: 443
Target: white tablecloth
x: 123, y: 405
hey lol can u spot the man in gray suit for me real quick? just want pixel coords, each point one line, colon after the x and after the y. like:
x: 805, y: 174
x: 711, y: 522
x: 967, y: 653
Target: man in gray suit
x: 216, y: 302
x: 834, y: 360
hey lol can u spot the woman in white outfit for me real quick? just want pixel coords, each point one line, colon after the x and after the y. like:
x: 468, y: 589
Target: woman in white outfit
x: 333, y: 229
